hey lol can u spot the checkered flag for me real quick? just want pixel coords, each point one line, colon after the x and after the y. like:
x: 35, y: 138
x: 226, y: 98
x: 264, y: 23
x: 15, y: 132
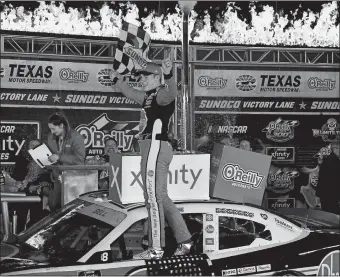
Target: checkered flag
x: 132, y: 49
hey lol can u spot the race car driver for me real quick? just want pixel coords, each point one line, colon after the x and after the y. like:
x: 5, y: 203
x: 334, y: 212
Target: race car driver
x: 157, y: 98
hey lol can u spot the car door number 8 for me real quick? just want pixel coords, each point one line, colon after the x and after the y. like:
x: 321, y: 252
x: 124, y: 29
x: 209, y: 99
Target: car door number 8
x: 104, y: 257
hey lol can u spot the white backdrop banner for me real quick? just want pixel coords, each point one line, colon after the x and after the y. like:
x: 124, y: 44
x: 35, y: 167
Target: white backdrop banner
x: 259, y: 83
x: 188, y: 178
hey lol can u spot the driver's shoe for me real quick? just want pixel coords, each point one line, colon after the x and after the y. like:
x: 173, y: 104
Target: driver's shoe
x: 183, y: 248
x: 149, y: 254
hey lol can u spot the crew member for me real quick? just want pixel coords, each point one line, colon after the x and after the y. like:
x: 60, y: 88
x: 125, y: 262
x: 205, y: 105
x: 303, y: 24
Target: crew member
x: 67, y: 147
x: 157, y: 98
x: 329, y: 181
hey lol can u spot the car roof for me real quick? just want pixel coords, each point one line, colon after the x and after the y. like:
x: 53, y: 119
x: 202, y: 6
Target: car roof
x: 91, y: 196
x: 96, y: 196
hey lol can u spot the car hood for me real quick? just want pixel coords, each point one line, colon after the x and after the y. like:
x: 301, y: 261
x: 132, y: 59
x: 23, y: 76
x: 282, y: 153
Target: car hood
x: 313, y: 219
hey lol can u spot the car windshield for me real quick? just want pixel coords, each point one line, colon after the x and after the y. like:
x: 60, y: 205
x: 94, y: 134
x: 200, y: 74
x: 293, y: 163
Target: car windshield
x: 69, y: 233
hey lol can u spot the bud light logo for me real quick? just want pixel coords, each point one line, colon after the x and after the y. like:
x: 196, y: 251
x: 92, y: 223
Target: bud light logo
x: 246, y: 179
x: 330, y: 265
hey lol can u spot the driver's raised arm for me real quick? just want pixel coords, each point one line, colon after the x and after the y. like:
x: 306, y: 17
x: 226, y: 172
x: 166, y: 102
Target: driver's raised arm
x: 129, y: 92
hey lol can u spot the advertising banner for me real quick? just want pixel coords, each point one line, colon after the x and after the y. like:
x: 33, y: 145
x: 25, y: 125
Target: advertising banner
x: 55, y: 75
x: 97, y: 131
x: 296, y: 143
x: 253, y: 105
x: 188, y: 178
x: 264, y: 83
x: 15, y: 136
x: 94, y: 125
x: 241, y: 175
x: 66, y: 99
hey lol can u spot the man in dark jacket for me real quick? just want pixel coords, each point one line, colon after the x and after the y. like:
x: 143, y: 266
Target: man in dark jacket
x: 329, y: 181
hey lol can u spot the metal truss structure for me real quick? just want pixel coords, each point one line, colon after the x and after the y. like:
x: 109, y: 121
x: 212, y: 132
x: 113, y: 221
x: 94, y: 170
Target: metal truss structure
x: 99, y: 50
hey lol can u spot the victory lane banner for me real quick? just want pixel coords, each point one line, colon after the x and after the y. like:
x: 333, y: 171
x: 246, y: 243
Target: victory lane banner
x: 261, y: 104
x: 65, y: 98
x: 15, y: 136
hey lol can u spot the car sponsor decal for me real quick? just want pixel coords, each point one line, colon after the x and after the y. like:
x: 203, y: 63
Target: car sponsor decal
x: 330, y: 265
x: 209, y: 229
x: 229, y: 272
x: 209, y: 217
x: 265, y: 267
x: 234, y: 212
x: 246, y: 270
x: 90, y: 273
x: 284, y: 225
x: 264, y: 216
x: 209, y: 241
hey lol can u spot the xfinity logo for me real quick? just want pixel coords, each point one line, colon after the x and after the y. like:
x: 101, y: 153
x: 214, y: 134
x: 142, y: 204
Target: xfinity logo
x: 215, y: 83
x: 275, y: 203
x: 281, y: 154
x: 250, y: 179
x: 183, y: 175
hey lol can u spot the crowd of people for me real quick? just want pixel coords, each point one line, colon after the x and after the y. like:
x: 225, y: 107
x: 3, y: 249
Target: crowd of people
x: 67, y: 148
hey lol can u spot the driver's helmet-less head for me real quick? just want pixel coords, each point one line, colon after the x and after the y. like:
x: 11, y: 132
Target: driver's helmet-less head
x: 152, y: 77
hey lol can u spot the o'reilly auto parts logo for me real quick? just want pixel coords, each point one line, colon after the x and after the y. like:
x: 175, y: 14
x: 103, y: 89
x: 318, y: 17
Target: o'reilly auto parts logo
x: 281, y: 154
x: 241, y: 178
x: 101, y: 128
x: 321, y: 85
x: 212, y: 83
x: 280, y: 83
x: 245, y: 83
x: 281, y: 130
x: 2, y: 72
x: 105, y: 77
x: 330, y: 132
x: 181, y: 175
x: 28, y: 73
x: 67, y: 74
x: 281, y: 181
x: 330, y: 265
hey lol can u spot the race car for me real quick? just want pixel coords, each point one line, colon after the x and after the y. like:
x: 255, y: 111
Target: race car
x: 94, y: 236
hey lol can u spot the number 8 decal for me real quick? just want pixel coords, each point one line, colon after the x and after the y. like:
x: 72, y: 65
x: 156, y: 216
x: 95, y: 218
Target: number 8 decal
x: 104, y: 257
